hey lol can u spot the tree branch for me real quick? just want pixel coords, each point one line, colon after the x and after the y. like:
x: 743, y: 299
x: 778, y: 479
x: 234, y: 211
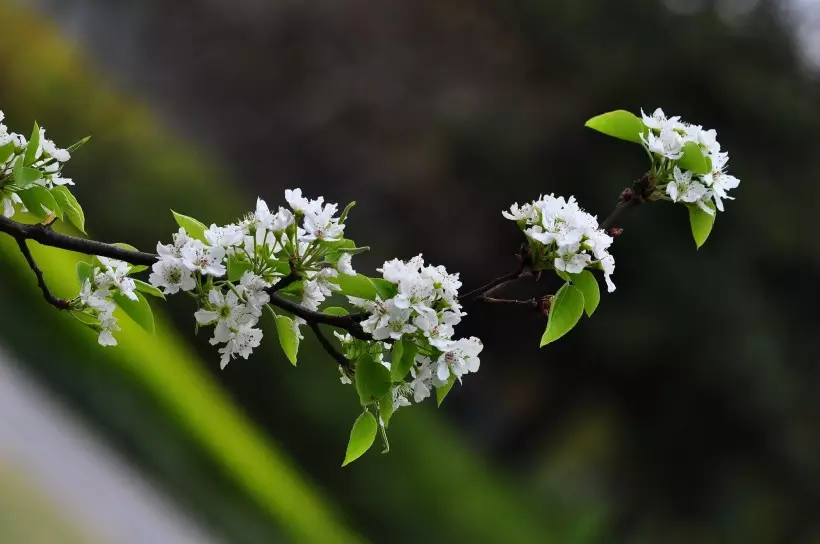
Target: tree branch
x: 48, y: 237
x: 345, y: 322
x: 343, y: 361
x: 58, y: 303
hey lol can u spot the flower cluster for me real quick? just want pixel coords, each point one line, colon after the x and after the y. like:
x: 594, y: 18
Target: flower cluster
x: 102, y: 284
x: 230, y: 269
x: 423, y: 313
x: 28, y: 162
x: 666, y: 139
x: 563, y: 236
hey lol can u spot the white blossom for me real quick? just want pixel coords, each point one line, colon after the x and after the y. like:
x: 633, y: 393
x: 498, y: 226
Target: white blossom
x: 172, y: 276
x: 344, y: 264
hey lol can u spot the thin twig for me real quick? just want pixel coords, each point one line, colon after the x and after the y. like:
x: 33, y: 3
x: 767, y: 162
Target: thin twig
x: 492, y: 286
x: 530, y: 302
x: 343, y: 361
x: 59, y: 303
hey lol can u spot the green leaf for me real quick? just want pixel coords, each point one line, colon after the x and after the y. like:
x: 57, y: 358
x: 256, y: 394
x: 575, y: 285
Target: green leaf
x: 619, y: 124
x: 71, y: 208
x: 75, y: 146
x: 588, y: 285
x: 335, y: 310
x: 344, y: 212
x: 372, y: 379
x: 84, y: 272
x: 35, y: 197
x: 362, y: 436
x: 384, y: 288
x: 33, y: 145
x: 693, y: 159
x: 237, y: 267
x: 701, y: 223
x: 442, y: 391
x: 565, y: 311
x: 386, y: 408
x: 148, y: 289
x: 6, y: 151
x: 195, y: 229
x: 24, y: 176
x: 139, y: 310
x: 404, y: 355
x: 356, y: 286
x: 288, y: 337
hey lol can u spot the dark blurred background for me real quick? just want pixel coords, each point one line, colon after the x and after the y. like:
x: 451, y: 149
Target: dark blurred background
x: 685, y: 411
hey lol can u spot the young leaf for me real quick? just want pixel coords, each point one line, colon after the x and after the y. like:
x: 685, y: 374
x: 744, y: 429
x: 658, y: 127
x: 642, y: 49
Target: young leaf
x: 620, y: 124
x: 33, y: 145
x: 386, y: 408
x: 195, y: 229
x: 384, y: 288
x: 71, y: 208
x: 357, y: 286
x: 139, y: 310
x: 75, y: 146
x: 35, y: 197
x: 24, y: 176
x: 84, y: 272
x: 404, y: 355
x: 6, y: 151
x: 372, y: 379
x: 565, y: 311
x: 148, y: 289
x: 701, y: 223
x: 442, y: 391
x: 335, y: 310
x: 237, y: 267
x: 588, y: 285
x: 288, y: 337
x: 362, y: 436
x: 693, y: 159
x: 346, y: 211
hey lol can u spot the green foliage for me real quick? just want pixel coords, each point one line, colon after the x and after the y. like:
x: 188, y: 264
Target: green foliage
x: 386, y: 408
x: 588, y: 285
x: 84, y: 272
x: 619, y: 124
x: 442, y: 391
x: 335, y: 310
x: 565, y: 311
x: 148, y: 289
x: 33, y: 145
x: 71, y: 208
x: 194, y: 228
x: 701, y: 223
x: 6, y: 151
x: 139, y: 310
x: 367, y: 288
x: 35, y: 197
x: 693, y: 159
x: 372, y: 379
x: 25, y: 175
x: 288, y: 337
x: 403, y: 357
x: 362, y: 436
x: 237, y: 266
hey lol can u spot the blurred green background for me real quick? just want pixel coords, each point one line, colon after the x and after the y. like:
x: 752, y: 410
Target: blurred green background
x: 686, y: 411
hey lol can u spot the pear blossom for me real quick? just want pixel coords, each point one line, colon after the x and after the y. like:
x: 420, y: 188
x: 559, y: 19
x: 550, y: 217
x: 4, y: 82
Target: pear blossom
x: 569, y: 238
x: 172, y: 276
x: 116, y: 275
x: 344, y: 264
x: 196, y: 256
